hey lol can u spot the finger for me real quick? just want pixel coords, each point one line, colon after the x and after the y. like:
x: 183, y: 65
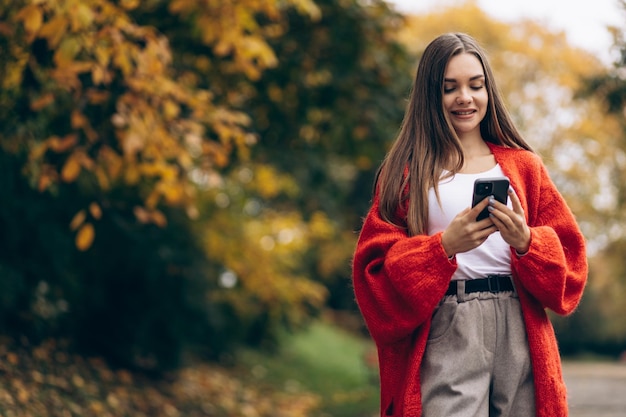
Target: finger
x: 485, y: 223
x: 507, y: 231
x: 515, y: 202
x: 504, y: 218
x: 498, y: 218
x: 479, y: 207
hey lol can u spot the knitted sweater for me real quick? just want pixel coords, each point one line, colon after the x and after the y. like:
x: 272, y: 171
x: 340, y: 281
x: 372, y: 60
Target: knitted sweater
x: 398, y: 281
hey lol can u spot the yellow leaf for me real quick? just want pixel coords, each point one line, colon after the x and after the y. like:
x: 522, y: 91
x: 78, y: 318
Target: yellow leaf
x: 258, y: 48
x: 111, y: 161
x: 95, y: 210
x: 102, y: 178
x: 132, y: 175
x: 97, y: 97
x: 78, y: 220
x: 60, y: 145
x: 81, y: 16
x: 13, y: 74
x: 78, y: 119
x: 102, y: 54
x: 153, y: 199
x: 142, y: 215
x: 22, y: 395
x: 32, y: 17
x: 40, y: 149
x: 45, y: 180
x: 193, y: 212
x: 78, y: 381
x: 179, y: 6
x: 168, y: 173
x: 308, y: 7
x: 96, y: 407
x: 12, y: 358
x: 71, y: 169
x: 159, y: 218
x: 99, y: 75
x: 85, y: 236
x: 54, y: 30
x: 66, y: 53
x: 170, y: 110
x: 129, y: 4
x: 145, y: 216
x: 132, y: 143
x: 41, y: 102
x: 172, y: 193
x: 123, y: 62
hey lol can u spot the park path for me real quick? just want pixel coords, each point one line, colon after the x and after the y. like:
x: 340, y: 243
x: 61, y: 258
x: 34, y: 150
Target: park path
x: 596, y: 389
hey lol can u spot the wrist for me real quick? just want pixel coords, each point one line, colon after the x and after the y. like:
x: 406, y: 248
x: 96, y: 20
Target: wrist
x: 521, y: 251
x: 449, y: 253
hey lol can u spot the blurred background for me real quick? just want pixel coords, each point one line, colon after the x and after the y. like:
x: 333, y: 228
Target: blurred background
x: 183, y: 182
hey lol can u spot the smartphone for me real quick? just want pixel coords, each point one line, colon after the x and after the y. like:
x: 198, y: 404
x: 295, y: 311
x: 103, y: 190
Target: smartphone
x: 485, y: 187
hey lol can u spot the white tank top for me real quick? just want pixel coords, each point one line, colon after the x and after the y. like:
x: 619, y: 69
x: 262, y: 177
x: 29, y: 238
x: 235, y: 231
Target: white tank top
x: 455, y: 193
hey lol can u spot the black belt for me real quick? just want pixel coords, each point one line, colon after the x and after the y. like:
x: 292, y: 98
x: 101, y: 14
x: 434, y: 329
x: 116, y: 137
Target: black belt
x: 493, y: 283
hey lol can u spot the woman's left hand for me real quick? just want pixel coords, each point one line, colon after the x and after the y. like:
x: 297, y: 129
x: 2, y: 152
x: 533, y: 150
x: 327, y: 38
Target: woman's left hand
x: 511, y: 223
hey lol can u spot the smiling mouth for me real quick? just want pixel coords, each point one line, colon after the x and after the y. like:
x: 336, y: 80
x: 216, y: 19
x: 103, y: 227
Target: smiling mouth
x: 463, y: 112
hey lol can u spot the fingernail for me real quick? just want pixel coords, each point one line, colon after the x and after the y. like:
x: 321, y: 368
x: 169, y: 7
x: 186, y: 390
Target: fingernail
x: 490, y: 208
x: 492, y: 200
x: 510, y: 189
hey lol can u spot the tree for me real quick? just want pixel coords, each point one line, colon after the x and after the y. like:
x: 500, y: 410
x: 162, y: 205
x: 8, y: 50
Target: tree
x: 190, y: 153
x: 326, y: 116
x: 117, y: 108
x: 104, y: 133
x: 287, y: 198
x: 609, y: 283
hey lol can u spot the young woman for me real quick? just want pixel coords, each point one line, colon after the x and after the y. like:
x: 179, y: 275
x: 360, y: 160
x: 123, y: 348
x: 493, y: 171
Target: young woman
x: 457, y: 306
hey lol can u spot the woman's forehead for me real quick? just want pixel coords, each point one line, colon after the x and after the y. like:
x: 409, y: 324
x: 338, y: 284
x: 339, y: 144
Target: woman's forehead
x: 464, y: 66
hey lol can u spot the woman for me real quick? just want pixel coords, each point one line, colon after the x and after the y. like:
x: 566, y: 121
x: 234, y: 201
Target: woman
x: 456, y: 306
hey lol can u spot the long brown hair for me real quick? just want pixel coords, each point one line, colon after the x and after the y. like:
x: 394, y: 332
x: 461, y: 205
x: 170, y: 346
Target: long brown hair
x: 427, y: 142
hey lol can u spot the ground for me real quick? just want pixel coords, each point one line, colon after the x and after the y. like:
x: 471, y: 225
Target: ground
x: 596, y: 389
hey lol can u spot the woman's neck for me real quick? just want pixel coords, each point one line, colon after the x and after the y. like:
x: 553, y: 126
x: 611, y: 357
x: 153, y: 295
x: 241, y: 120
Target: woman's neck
x: 477, y: 156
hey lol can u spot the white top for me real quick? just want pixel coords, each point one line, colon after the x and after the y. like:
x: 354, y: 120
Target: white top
x: 493, y: 256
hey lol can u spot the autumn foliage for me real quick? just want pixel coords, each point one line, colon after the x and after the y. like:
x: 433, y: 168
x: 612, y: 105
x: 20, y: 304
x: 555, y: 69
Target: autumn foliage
x: 44, y: 380
x: 175, y: 176
x: 114, y: 134
x: 113, y: 105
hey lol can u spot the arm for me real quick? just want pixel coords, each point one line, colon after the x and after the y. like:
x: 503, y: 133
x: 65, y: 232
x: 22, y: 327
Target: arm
x: 398, y: 280
x: 554, y: 270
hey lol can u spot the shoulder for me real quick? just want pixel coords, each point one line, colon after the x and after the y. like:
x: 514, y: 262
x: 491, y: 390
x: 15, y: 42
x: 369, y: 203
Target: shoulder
x: 520, y: 159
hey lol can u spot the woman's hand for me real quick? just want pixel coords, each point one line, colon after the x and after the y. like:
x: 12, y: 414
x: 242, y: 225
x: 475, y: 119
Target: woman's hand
x: 464, y: 233
x: 511, y: 223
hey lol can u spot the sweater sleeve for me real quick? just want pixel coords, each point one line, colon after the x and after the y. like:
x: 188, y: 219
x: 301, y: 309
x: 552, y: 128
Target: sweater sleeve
x: 398, y: 280
x: 554, y: 270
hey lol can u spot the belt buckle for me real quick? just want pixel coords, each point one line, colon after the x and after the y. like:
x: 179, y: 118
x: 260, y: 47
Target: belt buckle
x: 493, y: 283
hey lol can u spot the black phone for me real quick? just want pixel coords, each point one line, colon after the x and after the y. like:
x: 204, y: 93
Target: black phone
x: 484, y: 187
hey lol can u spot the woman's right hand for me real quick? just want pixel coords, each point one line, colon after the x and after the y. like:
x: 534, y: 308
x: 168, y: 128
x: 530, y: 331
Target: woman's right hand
x: 464, y: 233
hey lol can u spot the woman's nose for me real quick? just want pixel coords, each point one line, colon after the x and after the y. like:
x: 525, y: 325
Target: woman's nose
x: 464, y: 97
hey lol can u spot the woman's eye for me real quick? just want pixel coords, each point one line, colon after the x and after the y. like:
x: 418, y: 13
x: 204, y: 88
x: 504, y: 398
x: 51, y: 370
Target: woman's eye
x: 477, y: 87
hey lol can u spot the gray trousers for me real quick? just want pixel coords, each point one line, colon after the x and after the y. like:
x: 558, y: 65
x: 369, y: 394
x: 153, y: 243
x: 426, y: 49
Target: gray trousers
x: 477, y: 362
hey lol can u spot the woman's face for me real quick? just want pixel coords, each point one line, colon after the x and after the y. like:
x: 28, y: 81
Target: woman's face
x: 465, y: 95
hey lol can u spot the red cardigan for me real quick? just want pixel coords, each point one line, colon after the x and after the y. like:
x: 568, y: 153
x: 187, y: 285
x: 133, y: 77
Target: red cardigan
x: 398, y: 280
